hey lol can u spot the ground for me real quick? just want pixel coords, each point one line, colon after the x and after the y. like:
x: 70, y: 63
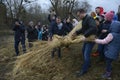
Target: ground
x: 65, y: 68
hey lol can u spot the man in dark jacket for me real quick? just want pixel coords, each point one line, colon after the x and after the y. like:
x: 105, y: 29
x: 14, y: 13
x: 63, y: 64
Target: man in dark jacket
x: 88, y: 28
x: 57, y: 28
x: 19, y: 36
x: 52, y: 16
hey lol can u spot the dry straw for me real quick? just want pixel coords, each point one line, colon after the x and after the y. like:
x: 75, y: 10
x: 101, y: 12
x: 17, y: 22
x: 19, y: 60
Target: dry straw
x: 34, y: 61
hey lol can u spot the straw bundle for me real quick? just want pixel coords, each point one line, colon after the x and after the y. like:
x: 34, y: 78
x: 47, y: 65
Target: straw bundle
x: 68, y: 39
x: 36, y: 59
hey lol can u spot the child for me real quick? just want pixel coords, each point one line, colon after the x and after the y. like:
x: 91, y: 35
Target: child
x: 112, y: 48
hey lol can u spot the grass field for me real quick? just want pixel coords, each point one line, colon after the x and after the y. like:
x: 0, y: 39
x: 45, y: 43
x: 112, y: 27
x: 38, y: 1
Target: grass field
x: 52, y: 69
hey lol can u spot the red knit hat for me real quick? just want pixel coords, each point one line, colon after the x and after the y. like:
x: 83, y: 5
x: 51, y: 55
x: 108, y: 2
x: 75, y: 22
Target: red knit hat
x: 109, y: 16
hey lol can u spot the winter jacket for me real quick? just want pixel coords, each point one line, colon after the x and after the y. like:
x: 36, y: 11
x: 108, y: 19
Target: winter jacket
x: 113, y: 48
x: 32, y: 34
x: 104, y: 26
x: 19, y: 32
x: 68, y: 27
x: 55, y: 29
x: 88, y: 27
x: 50, y: 18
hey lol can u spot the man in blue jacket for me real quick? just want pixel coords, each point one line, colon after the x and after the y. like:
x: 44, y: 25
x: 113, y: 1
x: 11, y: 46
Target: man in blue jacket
x: 57, y: 28
x: 19, y: 36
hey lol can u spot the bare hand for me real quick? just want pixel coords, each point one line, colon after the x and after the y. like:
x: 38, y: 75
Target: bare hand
x: 49, y: 39
x: 104, y: 31
x: 74, y: 35
x: 83, y: 38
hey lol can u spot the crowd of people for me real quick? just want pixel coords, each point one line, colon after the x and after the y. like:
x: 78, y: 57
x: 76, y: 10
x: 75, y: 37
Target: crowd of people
x: 105, y: 25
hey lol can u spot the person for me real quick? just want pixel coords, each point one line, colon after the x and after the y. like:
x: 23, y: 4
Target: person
x: 74, y: 22
x: 93, y: 14
x: 100, y: 13
x: 68, y: 25
x: 31, y: 33
x: 99, y: 10
x: 39, y: 30
x: 112, y: 48
x: 52, y: 16
x: 96, y: 53
x: 19, y: 36
x: 104, y: 31
x: 88, y: 28
x: 59, y: 29
x: 115, y: 18
x: 45, y: 33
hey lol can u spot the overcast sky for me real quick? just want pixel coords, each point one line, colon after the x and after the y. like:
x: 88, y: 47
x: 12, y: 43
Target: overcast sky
x: 106, y: 4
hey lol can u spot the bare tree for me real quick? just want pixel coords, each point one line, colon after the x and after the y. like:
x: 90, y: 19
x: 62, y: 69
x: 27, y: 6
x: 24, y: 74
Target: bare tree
x: 55, y: 4
x: 3, y: 16
x: 63, y: 7
x: 15, y: 7
x: 68, y: 7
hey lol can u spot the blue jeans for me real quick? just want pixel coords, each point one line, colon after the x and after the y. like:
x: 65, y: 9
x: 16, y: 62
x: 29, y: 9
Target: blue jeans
x: 86, y: 50
x: 109, y: 64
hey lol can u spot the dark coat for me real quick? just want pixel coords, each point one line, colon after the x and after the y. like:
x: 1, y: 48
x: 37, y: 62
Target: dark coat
x: 68, y: 27
x: 104, y: 26
x: 32, y: 34
x: 53, y: 29
x: 88, y: 27
x: 19, y: 32
x: 50, y: 18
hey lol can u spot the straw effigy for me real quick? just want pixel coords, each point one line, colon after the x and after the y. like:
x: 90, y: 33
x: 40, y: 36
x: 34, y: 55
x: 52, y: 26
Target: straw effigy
x: 27, y: 64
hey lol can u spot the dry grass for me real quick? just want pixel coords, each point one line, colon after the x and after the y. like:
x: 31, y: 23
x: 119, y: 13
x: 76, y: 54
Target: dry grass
x: 37, y: 64
x: 32, y: 60
x: 46, y: 68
